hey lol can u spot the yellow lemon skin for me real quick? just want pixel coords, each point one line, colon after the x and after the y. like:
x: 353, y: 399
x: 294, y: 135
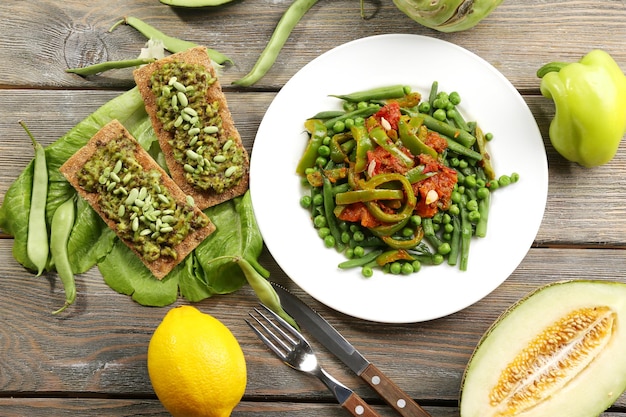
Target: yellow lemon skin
x: 195, y: 364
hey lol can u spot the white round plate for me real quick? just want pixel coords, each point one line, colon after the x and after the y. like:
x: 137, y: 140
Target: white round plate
x: 435, y: 291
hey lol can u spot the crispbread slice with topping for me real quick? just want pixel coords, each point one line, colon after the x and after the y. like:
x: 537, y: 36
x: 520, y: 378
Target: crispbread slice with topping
x: 202, y: 167
x: 137, y: 199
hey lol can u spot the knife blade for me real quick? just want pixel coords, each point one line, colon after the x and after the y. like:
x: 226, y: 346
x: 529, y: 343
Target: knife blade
x: 328, y: 336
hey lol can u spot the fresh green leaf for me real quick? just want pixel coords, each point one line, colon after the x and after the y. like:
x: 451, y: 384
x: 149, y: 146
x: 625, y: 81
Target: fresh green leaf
x: 125, y: 273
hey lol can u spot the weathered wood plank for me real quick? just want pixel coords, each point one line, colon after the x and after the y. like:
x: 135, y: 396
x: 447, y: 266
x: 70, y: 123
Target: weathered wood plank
x: 100, y: 345
x: 43, y: 38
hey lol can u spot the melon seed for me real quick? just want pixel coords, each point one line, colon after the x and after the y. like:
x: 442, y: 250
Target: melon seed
x: 552, y: 359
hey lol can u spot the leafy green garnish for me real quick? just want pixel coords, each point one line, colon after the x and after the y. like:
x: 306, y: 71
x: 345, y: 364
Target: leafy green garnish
x: 202, y: 274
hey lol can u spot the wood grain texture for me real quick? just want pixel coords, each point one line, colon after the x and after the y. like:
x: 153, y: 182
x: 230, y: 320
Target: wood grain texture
x: 91, y: 361
x: 517, y: 38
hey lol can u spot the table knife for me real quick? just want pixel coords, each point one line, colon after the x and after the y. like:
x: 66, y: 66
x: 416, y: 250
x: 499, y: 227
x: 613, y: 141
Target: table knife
x: 328, y: 336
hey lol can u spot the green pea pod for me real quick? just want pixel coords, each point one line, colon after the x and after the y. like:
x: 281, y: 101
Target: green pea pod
x: 590, y: 107
x: 60, y: 229
x: 264, y: 290
x: 37, y: 240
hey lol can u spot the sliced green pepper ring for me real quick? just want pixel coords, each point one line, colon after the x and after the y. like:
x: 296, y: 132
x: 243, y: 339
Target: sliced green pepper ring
x: 389, y: 229
x: 418, y: 235
x: 409, y: 198
x: 357, y: 196
x: 392, y: 256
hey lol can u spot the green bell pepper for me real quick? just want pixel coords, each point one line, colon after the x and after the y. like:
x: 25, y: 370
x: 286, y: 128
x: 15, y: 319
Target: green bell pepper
x: 590, y: 107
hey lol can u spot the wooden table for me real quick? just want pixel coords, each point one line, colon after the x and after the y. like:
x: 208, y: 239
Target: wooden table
x: 91, y: 361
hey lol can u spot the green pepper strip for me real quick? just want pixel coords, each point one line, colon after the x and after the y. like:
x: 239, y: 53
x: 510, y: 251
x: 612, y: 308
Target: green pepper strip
x: 481, y: 143
x: 361, y: 196
x: 389, y: 229
x: 415, y: 175
x: 409, y: 203
x: 392, y: 256
x: 363, y: 145
x: 317, y: 130
x: 418, y: 235
x: 337, y: 153
x: 379, y: 136
x: 411, y: 140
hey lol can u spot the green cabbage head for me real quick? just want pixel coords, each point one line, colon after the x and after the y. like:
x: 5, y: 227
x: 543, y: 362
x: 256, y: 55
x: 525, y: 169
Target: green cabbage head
x: 447, y: 15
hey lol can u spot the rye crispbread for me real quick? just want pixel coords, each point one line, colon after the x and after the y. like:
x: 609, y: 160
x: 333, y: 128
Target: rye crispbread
x: 197, y: 55
x: 70, y: 169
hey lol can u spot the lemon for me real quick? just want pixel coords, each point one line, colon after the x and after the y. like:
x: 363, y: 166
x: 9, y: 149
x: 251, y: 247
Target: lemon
x: 196, y: 366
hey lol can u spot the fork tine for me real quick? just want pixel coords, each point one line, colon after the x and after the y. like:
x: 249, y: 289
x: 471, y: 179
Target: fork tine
x: 284, y: 325
x: 274, y: 341
x: 280, y: 353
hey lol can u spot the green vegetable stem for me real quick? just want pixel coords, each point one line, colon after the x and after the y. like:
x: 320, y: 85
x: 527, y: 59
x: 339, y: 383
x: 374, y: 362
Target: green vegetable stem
x: 60, y: 229
x: 590, y: 107
x: 37, y: 241
x: 281, y: 33
x: 108, y: 65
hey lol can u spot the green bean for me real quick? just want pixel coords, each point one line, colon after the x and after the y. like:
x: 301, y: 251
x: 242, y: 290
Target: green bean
x: 483, y: 209
x: 328, y: 114
x: 60, y: 229
x: 466, y: 235
x: 363, y: 260
x: 458, y: 135
x: 364, y: 112
x: 287, y: 22
x: 432, y: 96
x: 171, y: 44
x: 109, y: 65
x: 263, y: 289
x: 379, y: 93
x: 455, y: 241
x: 454, y: 146
x: 329, y: 212
x: 481, y: 142
x: 37, y: 247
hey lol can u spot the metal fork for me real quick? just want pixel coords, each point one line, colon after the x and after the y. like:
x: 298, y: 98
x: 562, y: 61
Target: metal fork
x: 294, y: 350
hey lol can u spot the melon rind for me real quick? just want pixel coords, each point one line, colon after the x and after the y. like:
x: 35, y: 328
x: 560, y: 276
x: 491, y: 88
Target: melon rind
x: 593, y: 390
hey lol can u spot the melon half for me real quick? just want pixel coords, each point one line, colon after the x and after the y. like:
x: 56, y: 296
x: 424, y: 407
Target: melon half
x: 560, y: 351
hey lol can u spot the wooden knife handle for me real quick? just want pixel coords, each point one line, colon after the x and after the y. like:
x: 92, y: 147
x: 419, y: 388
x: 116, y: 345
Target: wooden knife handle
x: 358, y: 407
x: 391, y: 393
